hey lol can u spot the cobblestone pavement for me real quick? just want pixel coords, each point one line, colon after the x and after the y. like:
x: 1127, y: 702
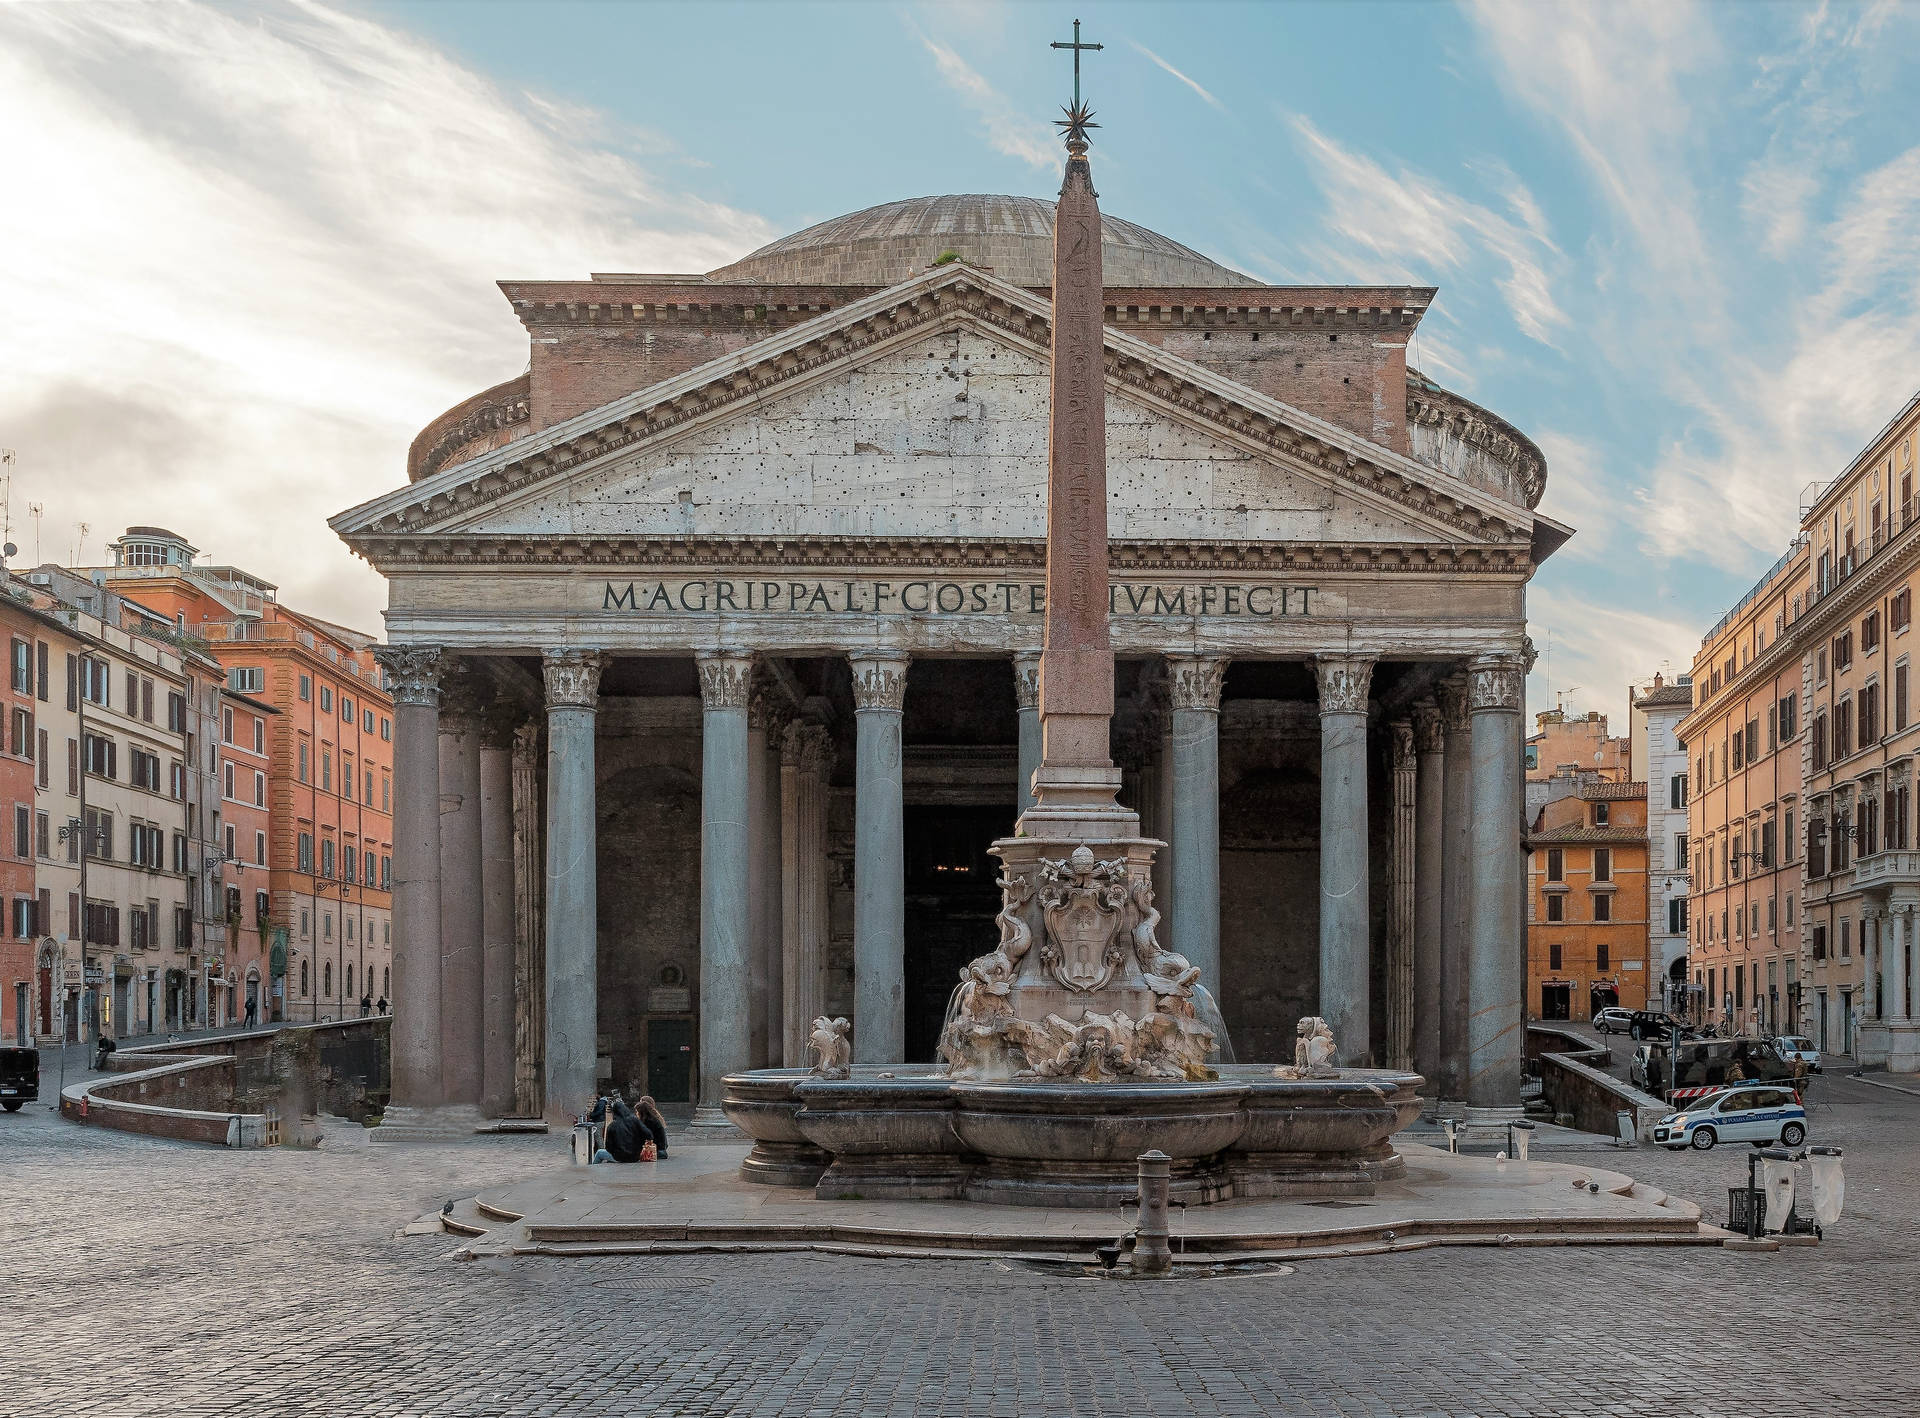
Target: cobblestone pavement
x: 144, y: 1277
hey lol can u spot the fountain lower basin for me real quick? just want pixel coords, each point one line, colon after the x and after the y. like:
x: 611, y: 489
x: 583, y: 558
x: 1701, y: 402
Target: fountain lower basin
x: 887, y: 1133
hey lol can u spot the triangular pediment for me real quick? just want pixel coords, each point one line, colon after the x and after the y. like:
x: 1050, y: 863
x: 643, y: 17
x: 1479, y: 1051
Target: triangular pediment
x: 921, y: 412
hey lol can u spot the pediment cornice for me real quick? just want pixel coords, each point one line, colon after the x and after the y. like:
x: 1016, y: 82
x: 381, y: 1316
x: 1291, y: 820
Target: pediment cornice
x: 666, y: 412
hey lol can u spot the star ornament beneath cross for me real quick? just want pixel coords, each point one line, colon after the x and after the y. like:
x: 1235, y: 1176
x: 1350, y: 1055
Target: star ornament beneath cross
x: 1078, y: 120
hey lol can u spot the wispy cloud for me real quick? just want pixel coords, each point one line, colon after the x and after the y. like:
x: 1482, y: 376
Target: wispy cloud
x: 263, y: 246
x: 1415, y: 224
x: 1591, y: 650
x: 1183, y: 78
x: 1008, y: 130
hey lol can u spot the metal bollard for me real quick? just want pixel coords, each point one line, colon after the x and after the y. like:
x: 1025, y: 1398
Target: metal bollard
x: 1452, y: 1127
x: 1626, y: 1126
x: 1151, y: 1254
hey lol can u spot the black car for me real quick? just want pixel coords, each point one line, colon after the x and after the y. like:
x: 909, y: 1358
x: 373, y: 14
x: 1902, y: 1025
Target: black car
x: 1654, y: 1024
x: 19, y: 1078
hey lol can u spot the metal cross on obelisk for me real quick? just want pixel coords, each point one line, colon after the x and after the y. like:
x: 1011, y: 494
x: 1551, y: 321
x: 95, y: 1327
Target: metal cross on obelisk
x: 1076, y: 784
x: 1076, y: 46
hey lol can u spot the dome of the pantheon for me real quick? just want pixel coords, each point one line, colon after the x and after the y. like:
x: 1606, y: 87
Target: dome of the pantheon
x: 1012, y: 236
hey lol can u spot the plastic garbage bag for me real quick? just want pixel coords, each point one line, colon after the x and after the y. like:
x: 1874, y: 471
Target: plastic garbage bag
x: 1778, y: 1182
x: 1829, y: 1185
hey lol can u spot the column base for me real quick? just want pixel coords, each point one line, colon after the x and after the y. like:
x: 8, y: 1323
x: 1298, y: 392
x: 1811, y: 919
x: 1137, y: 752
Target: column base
x: 448, y: 1124
x: 706, y: 1116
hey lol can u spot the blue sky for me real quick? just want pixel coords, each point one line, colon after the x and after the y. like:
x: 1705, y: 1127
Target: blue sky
x: 1676, y: 245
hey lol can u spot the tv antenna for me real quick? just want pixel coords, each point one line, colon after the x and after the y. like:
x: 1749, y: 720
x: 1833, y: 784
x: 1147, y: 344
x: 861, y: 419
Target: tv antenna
x: 82, y: 528
x: 36, y: 510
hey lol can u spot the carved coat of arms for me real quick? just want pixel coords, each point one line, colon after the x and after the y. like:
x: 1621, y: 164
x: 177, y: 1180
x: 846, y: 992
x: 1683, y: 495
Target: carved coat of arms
x: 1083, y: 904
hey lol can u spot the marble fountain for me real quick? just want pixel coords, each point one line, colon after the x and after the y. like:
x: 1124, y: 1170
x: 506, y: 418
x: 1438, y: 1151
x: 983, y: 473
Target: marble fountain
x: 1074, y: 1046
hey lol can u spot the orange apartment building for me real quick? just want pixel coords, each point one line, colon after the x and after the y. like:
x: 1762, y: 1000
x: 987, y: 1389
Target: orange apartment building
x: 309, y: 693
x: 28, y: 683
x: 1745, y: 817
x: 1587, y: 898
x: 1575, y: 743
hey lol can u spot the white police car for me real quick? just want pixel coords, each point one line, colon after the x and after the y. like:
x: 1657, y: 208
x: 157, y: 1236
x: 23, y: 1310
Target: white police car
x: 1757, y: 1113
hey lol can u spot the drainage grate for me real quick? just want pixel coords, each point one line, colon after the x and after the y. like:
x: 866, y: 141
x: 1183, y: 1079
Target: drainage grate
x: 1337, y: 1205
x: 652, y: 1282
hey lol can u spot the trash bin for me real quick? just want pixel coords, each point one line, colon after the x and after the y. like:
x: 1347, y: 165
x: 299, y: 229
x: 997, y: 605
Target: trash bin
x: 1626, y: 1127
x: 1737, y: 1198
x: 1519, y: 1135
x: 1829, y: 1184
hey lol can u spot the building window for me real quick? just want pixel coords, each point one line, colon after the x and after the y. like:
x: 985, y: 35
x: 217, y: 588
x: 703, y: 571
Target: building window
x: 1553, y: 957
x: 1677, y: 916
x: 304, y: 856
x: 306, y: 687
x: 386, y: 728
x: 1789, y: 717
x: 1870, y: 631
x: 1846, y: 937
x: 303, y: 763
x: 22, y: 667
x: 326, y: 699
x: 1600, y: 957
x: 259, y: 735
x: 1677, y: 791
x: 1603, y: 864
x: 102, y: 756
x: 1602, y: 906
x: 303, y: 977
x: 326, y: 859
x: 1556, y: 908
x: 259, y: 788
x: 326, y: 771
x: 1843, y: 729
x: 226, y: 726
x: 1842, y: 650
x: 244, y: 679
x: 1900, y: 610
x: 1556, y: 864
x: 1899, y: 696
x: 1680, y: 844
x: 259, y: 848
x: 366, y: 721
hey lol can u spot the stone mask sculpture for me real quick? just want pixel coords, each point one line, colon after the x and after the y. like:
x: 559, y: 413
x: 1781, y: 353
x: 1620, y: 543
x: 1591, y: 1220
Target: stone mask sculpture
x: 830, y: 1046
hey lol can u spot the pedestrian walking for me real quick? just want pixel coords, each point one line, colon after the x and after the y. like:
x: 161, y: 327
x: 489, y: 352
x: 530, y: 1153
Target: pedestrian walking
x: 383, y: 1004
x: 253, y: 1011
x: 366, y: 1005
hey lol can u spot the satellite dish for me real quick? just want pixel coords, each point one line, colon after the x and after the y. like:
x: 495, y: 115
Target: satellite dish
x: 9, y: 550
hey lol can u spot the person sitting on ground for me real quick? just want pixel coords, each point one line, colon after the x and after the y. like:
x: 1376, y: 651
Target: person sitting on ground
x: 655, y: 1123
x: 624, y: 1136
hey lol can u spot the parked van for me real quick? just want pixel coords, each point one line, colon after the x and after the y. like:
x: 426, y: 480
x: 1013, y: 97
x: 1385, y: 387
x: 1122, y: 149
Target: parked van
x: 1711, y: 1063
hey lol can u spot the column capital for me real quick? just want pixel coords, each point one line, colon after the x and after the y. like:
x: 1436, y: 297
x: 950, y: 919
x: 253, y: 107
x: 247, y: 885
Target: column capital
x: 1427, y: 727
x: 1452, y: 694
x: 1195, y: 681
x: 726, y: 678
x: 1496, y: 683
x: 413, y: 673
x: 1403, y: 754
x: 879, y: 680
x: 501, y: 723
x: 1344, y: 682
x: 807, y: 747
x: 573, y: 677
x: 1026, y: 679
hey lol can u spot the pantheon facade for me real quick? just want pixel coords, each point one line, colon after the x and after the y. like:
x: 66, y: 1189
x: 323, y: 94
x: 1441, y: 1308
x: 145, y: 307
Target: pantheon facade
x: 714, y: 638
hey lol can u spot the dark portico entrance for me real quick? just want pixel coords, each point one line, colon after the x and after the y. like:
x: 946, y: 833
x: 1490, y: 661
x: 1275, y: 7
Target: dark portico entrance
x: 951, y: 903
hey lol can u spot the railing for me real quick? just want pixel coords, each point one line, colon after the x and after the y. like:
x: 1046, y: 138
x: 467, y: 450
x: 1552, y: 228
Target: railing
x: 1886, y: 868
x: 1848, y: 566
x: 1771, y: 574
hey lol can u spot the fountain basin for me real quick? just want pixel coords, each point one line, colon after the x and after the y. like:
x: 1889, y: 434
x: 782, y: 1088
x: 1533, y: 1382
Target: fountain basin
x: 890, y: 1138
x: 764, y: 1106
x: 1056, y: 1143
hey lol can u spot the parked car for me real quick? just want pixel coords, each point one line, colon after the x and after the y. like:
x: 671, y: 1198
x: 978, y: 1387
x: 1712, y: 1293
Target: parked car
x: 1613, y: 1020
x: 1798, y: 1046
x: 1710, y: 1063
x: 19, y: 1078
x: 1760, y: 1116
x: 1652, y: 1023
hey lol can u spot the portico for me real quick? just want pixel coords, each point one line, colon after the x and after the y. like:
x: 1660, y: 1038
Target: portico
x: 735, y: 675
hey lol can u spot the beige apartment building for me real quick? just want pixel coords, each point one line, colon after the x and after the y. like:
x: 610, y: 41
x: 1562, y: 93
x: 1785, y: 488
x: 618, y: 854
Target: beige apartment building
x: 1806, y: 879
x: 1856, y: 644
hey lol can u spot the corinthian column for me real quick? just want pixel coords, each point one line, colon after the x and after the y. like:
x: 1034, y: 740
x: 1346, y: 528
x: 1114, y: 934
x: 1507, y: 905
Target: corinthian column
x: 726, y: 966
x: 529, y: 932
x: 413, y: 676
x: 879, y: 863
x: 462, y: 977
x: 1429, y: 744
x: 573, y: 1001
x: 806, y: 759
x: 1345, y: 916
x: 1194, y: 683
x: 1496, y: 977
x: 765, y: 720
x: 1400, y: 901
x: 1456, y: 886
x: 496, y: 911
x: 1026, y: 692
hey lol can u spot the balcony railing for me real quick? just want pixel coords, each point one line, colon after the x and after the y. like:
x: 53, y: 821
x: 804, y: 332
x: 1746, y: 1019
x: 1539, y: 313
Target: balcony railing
x: 1845, y: 568
x: 1887, y: 869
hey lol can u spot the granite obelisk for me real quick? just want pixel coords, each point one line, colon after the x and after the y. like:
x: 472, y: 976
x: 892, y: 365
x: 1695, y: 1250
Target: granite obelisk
x: 1076, y: 784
